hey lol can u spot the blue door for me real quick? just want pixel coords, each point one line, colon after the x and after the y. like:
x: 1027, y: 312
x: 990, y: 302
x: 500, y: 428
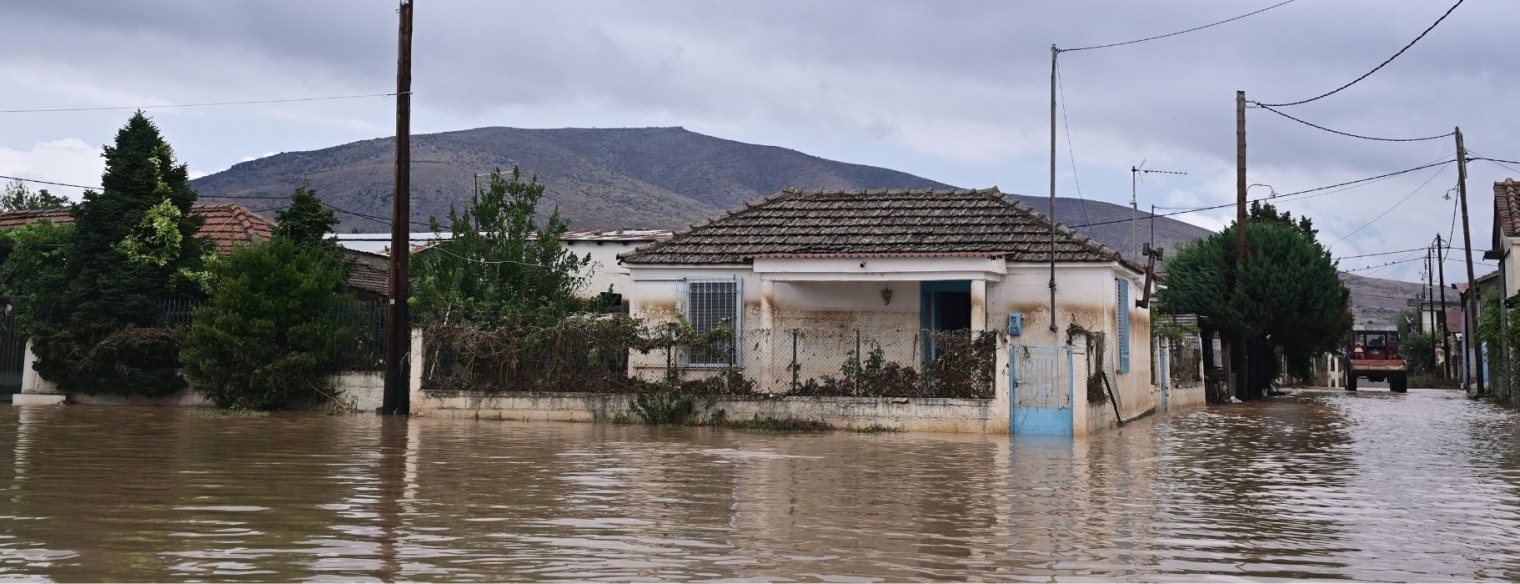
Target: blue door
x: 1041, y: 399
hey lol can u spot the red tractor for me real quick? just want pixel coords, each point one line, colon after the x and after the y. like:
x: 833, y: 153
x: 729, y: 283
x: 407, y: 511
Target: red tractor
x: 1374, y: 355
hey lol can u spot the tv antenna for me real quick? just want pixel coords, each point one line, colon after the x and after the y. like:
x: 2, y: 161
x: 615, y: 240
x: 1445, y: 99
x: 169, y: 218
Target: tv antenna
x: 1135, y: 174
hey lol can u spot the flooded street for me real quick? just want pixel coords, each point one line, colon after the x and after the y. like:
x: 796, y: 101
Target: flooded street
x: 1371, y: 486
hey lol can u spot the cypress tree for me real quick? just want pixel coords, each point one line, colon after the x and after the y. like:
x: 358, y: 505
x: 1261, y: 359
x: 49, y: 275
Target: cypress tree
x: 133, y: 247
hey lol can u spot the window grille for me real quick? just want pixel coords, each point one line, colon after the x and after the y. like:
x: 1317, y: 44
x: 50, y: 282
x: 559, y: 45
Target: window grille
x: 711, y: 305
x: 1122, y: 286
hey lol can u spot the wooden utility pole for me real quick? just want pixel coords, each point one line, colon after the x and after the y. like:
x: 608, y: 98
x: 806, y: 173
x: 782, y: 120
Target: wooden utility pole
x: 1470, y: 340
x: 1054, y: 53
x: 398, y: 329
x: 1430, y: 301
x: 1441, y: 320
x: 1238, y: 354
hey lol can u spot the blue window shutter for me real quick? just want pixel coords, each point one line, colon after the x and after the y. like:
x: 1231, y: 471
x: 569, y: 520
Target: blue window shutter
x: 1123, y: 286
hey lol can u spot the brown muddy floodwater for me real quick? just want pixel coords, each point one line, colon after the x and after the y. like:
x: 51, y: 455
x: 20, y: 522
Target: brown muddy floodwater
x: 1373, y: 486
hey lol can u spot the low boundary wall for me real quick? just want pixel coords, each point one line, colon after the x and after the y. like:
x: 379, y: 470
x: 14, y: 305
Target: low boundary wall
x: 906, y: 414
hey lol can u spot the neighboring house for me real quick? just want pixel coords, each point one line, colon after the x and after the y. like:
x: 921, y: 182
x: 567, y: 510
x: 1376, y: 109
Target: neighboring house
x: 225, y: 225
x: 604, y: 247
x: 1488, y: 285
x: 1506, y: 235
x: 811, y: 280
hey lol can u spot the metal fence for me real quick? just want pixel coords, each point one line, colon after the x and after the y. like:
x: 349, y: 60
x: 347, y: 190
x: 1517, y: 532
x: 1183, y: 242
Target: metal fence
x: 366, y: 320
x: 605, y: 358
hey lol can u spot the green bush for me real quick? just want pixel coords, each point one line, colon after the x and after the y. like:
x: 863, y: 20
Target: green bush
x: 272, y: 331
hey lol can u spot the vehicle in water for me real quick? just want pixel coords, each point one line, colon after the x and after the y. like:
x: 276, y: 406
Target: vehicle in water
x: 1374, y: 356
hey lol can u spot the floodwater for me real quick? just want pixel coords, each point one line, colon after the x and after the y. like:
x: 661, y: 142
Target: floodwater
x: 1371, y: 486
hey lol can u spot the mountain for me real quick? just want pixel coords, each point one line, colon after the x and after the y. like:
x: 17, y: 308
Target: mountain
x: 642, y: 178
x: 599, y: 178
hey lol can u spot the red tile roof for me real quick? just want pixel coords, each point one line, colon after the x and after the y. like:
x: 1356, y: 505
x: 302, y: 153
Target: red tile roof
x: 1507, y: 208
x: 226, y: 225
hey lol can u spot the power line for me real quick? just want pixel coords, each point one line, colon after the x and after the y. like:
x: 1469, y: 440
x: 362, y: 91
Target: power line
x: 205, y: 104
x: 1390, y: 209
x: 1383, y: 265
x: 1284, y: 197
x: 1374, y: 69
x: 1172, y: 34
x: 48, y: 182
x: 1381, y: 253
x: 1069, y: 152
x: 1349, y: 134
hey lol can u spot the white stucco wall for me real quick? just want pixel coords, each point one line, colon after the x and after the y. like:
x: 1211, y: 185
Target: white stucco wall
x: 827, y: 314
x: 605, y: 271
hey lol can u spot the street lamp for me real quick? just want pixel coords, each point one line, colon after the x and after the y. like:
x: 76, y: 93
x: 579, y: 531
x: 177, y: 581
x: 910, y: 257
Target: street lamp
x: 1269, y: 189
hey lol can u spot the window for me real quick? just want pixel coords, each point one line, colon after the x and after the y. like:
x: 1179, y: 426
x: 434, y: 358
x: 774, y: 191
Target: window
x: 1122, y: 292
x: 710, y: 305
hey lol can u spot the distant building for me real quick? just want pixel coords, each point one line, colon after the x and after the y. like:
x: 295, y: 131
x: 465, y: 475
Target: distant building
x: 226, y: 225
x: 604, y: 247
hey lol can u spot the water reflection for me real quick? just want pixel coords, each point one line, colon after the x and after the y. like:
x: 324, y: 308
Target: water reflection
x: 1422, y: 486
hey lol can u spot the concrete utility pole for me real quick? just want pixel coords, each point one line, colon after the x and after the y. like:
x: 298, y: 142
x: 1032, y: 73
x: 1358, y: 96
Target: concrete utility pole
x: 1474, y: 301
x: 1054, y: 53
x: 1239, y: 350
x: 1441, y: 320
x: 398, y: 329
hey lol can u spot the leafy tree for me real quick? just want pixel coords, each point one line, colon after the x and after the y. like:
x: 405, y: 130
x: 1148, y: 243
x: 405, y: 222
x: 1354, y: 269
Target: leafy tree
x: 132, y: 247
x: 32, y: 267
x: 273, y: 328
x: 16, y: 197
x: 499, y: 265
x: 1289, y: 299
x: 306, y: 221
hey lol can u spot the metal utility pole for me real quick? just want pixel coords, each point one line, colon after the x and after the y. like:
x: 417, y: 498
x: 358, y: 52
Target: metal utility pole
x: 1054, y: 53
x: 1134, y: 212
x: 398, y: 341
x: 1441, y: 320
x: 1239, y: 353
x: 1470, y: 340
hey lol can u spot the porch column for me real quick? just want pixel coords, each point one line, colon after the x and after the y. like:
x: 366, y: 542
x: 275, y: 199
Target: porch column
x: 767, y: 304
x: 978, y: 305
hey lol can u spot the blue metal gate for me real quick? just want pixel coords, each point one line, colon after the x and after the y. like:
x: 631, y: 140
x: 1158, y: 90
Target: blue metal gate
x: 1042, y: 384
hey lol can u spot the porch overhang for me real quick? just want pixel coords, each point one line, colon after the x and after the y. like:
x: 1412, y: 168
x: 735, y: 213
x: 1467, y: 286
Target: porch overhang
x: 880, y: 268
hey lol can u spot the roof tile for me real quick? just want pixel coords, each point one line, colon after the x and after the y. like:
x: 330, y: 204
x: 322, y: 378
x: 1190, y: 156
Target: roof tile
x: 814, y: 223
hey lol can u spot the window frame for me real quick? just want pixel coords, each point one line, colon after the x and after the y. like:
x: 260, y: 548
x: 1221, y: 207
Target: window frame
x: 687, y: 287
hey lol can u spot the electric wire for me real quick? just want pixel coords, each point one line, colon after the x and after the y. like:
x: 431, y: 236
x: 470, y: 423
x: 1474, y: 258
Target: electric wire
x: 1390, y: 209
x: 1172, y: 34
x: 1382, y: 265
x: 1349, y: 134
x: 1294, y: 196
x: 1374, y: 69
x: 48, y: 182
x: 1070, y: 153
x: 180, y: 105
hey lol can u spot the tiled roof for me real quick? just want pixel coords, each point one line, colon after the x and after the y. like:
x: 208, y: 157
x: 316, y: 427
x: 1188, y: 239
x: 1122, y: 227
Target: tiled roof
x: 230, y: 225
x: 796, y: 223
x: 1507, y: 208
x: 368, y: 278
x: 16, y: 219
x: 226, y: 225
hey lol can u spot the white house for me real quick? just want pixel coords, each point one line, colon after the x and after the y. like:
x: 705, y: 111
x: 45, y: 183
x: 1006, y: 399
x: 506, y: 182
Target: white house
x: 823, y: 285
x: 603, y: 246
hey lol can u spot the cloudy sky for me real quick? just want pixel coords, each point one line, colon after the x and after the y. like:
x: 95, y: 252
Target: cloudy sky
x: 955, y: 90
